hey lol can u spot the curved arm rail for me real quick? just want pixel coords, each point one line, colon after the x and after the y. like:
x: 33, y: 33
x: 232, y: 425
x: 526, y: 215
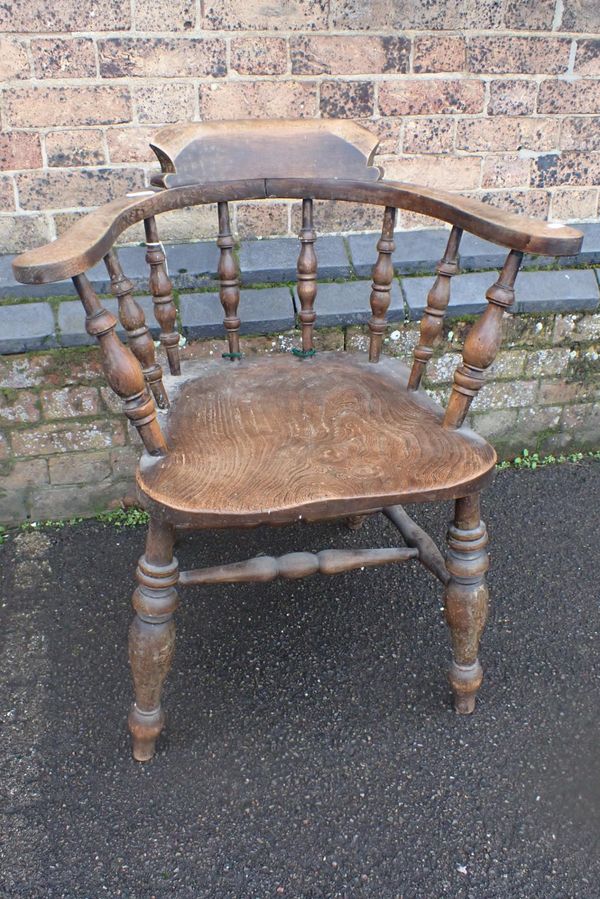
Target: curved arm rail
x: 90, y: 239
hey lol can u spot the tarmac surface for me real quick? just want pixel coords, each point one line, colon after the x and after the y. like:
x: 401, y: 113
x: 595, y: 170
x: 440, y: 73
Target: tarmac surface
x: 311, y: 749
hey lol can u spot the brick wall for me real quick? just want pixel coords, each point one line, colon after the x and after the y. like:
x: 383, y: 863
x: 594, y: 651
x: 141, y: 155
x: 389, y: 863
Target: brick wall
x: 506, y: 92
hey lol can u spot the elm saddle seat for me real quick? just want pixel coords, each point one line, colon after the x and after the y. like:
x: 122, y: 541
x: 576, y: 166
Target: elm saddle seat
x: 243, y: 441
x: 275, y: 441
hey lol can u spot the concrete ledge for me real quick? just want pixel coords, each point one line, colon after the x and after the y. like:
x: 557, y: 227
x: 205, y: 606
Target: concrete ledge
x: 71, y: 321
x: 28, y: 326
x: 274, y: 259
x: 348, y: 304
x: 575, y: 290
x: 261, y: 311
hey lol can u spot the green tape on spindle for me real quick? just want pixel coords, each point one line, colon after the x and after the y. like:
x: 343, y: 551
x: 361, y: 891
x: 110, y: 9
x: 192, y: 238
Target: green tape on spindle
x: 303, y: 354
x: 231, y: 356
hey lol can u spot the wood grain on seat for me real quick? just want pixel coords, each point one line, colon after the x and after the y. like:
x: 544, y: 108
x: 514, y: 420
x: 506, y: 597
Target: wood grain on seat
x: 270, y: 440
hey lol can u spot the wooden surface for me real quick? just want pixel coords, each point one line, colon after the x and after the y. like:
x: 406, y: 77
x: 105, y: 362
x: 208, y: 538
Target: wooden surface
x: 274, y: 439
x: 198, y: 153
x: 293, y: 566
x: 90, y: 238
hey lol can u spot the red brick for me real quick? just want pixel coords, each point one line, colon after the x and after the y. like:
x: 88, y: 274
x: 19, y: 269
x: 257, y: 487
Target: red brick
x: 80, y: 468
x: 90, y: 187
x: 387, y: 130
x: 7, y: 194
x: 512, y: 97
x: 161, y: 57
x: 517, y: 55
x: 580, y: 133
x: 439, y: 53
x: 347, y: 99
x: 259, y: 99
x: 581, y: 15
x: 230, y: 15
x: 435, y: 14
x: 571, y: 204
x: 70, y: 402
x: 431, y: 97
x: 349, y: 55
x: 123, y: 460
x: 498, y: 134
x: 332, y: 215
x: 20, y: 408
x: 81, y: 499
x: 164, y: 103
x: 176, y: 15
x: 262, y: 219
x: 587, y: 58
x: 82, y: 105
x: 72, y: 148
x: 569, y: 167
x: 529, y: 15
x: 20, y: 150
x: 60, y: 368
x: 561, y: 391
x: 259, y: 55
x: 130, y: 144
x: 570, y: 97
x: 64, y: 15
x: 64, y: 58
x: 13, y: 59
x: 428, y: 135
x: 524, y: 202
x: 67, y: 437
x: 22, y: 232
x: 505, y: 171
x: 446, y: 172
x: 25, y: 473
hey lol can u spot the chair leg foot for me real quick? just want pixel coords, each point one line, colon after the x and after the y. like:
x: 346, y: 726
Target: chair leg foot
x: 145, y: 729
x: 466, y: 600
x: 152, y: 637
x: 355, y: 522
x: 465, y: 681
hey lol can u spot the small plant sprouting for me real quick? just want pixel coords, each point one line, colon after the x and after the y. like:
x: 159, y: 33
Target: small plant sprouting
x: 532, y: 461
x: 124, y: 518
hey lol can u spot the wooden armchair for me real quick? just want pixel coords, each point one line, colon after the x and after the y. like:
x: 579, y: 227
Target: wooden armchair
x: 270, y: 440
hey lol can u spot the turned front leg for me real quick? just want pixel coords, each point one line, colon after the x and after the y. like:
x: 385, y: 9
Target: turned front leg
x: 466, y: 600
x: 152, y: 637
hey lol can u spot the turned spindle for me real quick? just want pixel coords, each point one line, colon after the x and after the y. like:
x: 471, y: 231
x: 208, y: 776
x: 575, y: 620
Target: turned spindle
x: 466, y: 599
x: 437, y: 303
x: 307, y: 280
x: 132, y: 318
x: 122, y: 370
x: 162, y: 295
x: 482, y: 343
x: 383, y: 273
x: 229, y: 283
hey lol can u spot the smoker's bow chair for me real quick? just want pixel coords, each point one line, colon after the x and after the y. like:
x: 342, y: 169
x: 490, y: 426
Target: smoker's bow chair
x: 309, y: 436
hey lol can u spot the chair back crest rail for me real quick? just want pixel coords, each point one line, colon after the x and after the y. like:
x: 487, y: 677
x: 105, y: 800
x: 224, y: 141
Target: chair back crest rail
x: 227, y: 161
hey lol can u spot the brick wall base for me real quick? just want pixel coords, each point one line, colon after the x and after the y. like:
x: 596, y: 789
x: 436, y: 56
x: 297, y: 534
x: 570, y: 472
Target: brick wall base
x: 66, y: 450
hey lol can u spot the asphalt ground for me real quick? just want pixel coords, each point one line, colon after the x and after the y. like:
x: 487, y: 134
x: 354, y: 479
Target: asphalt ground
x: 311, y: 749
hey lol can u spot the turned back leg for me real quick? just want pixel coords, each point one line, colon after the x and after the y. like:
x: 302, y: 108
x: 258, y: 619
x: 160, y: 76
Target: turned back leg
x: 152, y: 636
x: 466, y: 599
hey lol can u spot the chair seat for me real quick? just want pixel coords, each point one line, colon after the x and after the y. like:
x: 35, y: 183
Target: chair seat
x: 272, y: 439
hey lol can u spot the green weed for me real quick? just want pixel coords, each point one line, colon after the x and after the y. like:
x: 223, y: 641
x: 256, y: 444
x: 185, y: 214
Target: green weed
x: 532, y: 461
